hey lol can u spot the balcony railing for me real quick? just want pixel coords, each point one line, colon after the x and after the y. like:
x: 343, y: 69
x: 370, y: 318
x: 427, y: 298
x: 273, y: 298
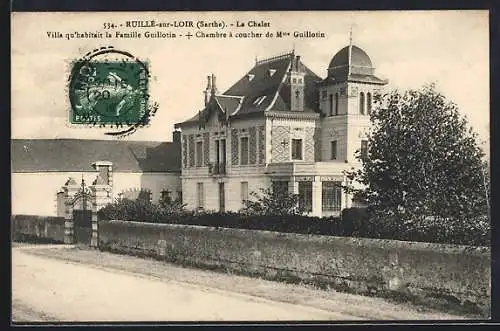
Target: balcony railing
x: 218, y: 168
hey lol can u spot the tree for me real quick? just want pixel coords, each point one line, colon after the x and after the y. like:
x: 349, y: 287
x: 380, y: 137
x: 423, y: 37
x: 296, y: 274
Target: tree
x: 423, y: 160
x: 269, y: 202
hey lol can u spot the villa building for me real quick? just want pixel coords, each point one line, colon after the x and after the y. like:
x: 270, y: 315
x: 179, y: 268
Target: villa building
x: 281, y: 126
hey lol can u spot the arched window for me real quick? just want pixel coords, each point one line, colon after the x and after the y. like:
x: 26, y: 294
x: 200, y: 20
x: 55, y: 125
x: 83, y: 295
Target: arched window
x: 336, y: 103
x: 362, y: 103
x: 331, y: 104
x: 369, y: 102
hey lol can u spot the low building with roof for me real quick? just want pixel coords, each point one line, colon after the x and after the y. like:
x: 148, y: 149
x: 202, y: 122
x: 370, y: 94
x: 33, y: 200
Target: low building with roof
x: 42, y: 168
x: 282, y: 126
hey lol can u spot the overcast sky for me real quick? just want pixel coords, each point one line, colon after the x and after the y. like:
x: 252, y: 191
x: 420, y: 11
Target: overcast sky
x: 450, y: 48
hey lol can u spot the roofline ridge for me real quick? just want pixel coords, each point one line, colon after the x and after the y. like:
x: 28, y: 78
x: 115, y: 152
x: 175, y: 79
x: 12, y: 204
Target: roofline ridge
x: 275, y: 57
x: 230, y: 96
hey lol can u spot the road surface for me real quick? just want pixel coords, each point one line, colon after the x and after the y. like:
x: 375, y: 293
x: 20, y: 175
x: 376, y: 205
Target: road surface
x: 67, y: 284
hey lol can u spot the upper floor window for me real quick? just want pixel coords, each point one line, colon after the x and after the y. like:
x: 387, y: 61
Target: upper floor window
x: 296, y: 149
x: 199, y: 153
x: 244, y: 150
x: 334, y: 150
x: 362, y: 103
x: 331, y: 104
x: 336, y: 103
x: 369, y: 102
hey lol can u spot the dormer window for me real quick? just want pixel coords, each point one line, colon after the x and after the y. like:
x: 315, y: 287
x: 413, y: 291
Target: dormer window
x: 271, y: 72
x: 259, y: 100
x: 250, y: 77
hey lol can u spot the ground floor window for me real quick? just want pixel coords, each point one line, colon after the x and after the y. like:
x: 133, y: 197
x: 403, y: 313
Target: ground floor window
x: 305, y: 196
x: 331, y: 196
x: 200, y: 195
x: 244, y: 192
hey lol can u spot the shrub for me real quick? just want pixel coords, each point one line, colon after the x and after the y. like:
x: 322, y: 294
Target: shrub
x: 355, y: 222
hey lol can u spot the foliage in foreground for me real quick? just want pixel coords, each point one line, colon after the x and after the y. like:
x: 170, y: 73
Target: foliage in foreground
x: 423, y: 162
x: 354, y: 222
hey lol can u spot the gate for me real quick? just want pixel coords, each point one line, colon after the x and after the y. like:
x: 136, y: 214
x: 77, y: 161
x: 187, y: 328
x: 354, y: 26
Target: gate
x: 82, y: 226
x: 82, y: 209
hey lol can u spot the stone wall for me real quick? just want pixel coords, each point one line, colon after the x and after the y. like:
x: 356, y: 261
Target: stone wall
x: 432, y: 274
x: 40, y: 227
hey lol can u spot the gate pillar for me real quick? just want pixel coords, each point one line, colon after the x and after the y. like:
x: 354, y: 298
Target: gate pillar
x: 94, y: 240
x: 68, y: 223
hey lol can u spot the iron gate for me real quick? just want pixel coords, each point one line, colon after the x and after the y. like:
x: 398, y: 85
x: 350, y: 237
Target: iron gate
x: 82, y: 226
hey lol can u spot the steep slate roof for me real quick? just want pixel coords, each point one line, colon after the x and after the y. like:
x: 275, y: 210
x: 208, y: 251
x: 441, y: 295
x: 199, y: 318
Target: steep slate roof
x: 76, y: 155
x: 259, y: 83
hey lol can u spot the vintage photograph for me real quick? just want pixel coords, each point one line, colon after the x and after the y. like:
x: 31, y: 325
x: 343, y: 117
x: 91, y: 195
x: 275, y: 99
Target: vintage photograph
x: 250, y: 166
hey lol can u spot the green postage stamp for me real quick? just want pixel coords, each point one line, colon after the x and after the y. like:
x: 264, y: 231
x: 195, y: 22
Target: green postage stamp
x: 109, y: 88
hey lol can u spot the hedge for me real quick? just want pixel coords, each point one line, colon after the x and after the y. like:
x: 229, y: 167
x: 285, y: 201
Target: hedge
x: 354, y: 222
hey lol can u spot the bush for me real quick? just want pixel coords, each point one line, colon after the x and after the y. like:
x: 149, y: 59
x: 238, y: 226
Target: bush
x: 355, y: 222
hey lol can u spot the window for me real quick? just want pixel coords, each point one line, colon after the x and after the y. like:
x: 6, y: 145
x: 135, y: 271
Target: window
x: 364, y: 149
x: 296, y: 149
x: 336, y: 103
x: 334, y: 150
x: 331, y: 104
x: 222, y: 198
x: 259, y: 100
x: 199, y: 153
x: 294, y: 80
x: 362, y: 103
x: 244, y: 191
x: 369, y: 102
x: 244, y: 150
x: 305, y: 196
x: 331, y: 196
x: 201, y: 195
x: 323, y: 95
x: 279, y: 188
x: 217, y: 152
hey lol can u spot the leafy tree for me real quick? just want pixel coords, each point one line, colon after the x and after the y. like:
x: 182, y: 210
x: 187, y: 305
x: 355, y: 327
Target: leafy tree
x: 269, y: 202
x: 423, y: 160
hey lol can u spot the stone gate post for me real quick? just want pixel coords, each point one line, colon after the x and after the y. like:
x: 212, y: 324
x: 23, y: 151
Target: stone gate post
x: 94, y: 240
x: 68, y: 222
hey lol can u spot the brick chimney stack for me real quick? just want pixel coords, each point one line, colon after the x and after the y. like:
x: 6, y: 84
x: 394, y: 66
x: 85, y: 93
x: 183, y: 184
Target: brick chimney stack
x: 208, y: 89
x: 214, y: 85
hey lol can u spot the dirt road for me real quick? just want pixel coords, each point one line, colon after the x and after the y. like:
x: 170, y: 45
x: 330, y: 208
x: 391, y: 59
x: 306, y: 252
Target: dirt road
x: 68, y: 284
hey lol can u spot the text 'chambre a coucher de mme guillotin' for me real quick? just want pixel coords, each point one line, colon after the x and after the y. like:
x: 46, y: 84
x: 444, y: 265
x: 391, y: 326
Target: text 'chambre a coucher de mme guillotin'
x: 155, y: 29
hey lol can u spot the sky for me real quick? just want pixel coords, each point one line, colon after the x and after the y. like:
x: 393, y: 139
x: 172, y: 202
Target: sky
x: 409, y: 48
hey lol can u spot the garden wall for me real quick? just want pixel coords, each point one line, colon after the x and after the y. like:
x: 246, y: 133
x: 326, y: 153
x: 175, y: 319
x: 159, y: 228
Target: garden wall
x: 432, y: 274
x: 45, y: 228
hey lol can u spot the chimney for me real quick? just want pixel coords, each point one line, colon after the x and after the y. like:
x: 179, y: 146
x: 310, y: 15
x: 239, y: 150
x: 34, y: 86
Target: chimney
x: 176, y: 136
x: 214, y: 86
x: 208, y: 89
x: 209, y: 83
